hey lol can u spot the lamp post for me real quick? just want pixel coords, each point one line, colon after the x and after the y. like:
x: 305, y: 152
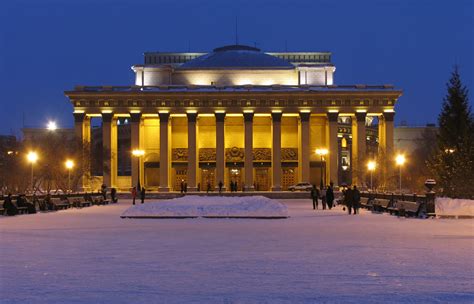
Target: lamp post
x: 371, y: 167
x: 322, y: 152
x: 51, y: 126
x: 138, y: 153
x: 400, y: 160
x: 69, y: 165
x: 32, y: 157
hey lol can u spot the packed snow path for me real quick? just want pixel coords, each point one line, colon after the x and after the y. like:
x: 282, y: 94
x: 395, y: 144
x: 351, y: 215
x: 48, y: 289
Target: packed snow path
x: 91, y: 255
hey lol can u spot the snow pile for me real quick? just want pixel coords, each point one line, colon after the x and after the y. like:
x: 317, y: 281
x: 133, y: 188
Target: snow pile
x: 210, y: 206
x: 454, y: 207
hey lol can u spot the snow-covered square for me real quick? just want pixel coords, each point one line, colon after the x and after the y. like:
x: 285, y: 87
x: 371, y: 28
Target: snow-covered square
x: 92, y: 255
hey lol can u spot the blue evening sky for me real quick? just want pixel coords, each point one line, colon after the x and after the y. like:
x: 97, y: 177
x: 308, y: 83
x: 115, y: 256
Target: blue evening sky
x: 49, y: 46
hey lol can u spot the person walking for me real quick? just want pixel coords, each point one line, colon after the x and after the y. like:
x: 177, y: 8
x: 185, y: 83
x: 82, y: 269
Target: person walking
x: 208, y: 187
x: 113, y: 195
x: 355, y: 199
x: 182, y: 186
x: 134, y: 195
x: 348, y: 199
x: 142, y: 195
x: 323, y: 198
x: 220, y: 186
x: 330, y: 195
x: 314, y: 197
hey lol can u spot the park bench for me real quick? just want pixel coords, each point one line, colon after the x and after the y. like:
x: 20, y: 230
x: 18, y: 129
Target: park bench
x: 2, y: 210
x: 59, y: 204
x: 21, y: 210
x: 99, y: 200
x: 366, y: 203
x: 381, y: 205
x: 80, y: 202
x: 405, y: 208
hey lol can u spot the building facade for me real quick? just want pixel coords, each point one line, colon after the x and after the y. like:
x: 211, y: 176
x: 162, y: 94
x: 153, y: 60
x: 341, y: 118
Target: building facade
x: 238, y: 114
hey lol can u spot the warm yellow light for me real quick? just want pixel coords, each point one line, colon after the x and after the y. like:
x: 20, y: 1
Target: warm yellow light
x: 51, y: 125
x: 106, y: 111
x: 138, y: 152
x: 322, y: 152
x: 371, y: 165
x: 400, y: 159
x: 32, y: 157
x: 69, y: 164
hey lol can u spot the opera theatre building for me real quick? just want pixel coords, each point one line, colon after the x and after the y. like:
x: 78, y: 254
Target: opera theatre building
x: 263, y: 120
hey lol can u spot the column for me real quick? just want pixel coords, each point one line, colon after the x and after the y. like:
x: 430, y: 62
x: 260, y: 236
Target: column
x: 107, y: 148
x: 192, y: 159
x: 386, y: 152
x: 248, y: 164
x: 135, y: 119
x: 276, y: 151
x: 358, y: 148
x: 220, y: 148
x: 304, y: 146
x: 332, y: 166
x: 82, y: 129
x: 164, y: 152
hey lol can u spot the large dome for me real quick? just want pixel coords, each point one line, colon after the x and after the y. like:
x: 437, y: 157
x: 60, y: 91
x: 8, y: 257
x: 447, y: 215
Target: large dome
x: 237, y: 57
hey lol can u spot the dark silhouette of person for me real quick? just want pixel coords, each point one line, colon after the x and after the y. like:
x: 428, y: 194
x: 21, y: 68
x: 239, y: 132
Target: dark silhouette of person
x: 208, y: 187
x: 330, y: 195
x: 323, y: 198
x: 182, y: 186
x: 355, y: 199
x: 113, y: 195
x: 348, y: 199
x: 314, y: 197
x: 10, y: 206
x: 142, y: 195
x: 185, y: 187
x: 134, y: 195
x: 104, y: 191
x: 220, y: 186
x: 231, y: 186
x: 22, y: 201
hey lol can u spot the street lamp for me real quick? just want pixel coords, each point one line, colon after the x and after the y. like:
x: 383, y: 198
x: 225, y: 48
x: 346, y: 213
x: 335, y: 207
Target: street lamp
x: 322, y: 152
x: 51, y: 126
x: 69, y: 165
x: 32, y: 157
x: 138, y: 153
x: 371, y: 165
x: 400, y: 160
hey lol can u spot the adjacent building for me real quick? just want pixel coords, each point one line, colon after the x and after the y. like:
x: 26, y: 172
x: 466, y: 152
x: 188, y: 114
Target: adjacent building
x: 238, y: 114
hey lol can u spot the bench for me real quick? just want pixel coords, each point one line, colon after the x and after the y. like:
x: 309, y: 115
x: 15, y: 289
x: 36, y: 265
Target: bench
x: 99, y: 200
x: 80, y: 202
x: 21, y: 210
x: 366, y: 203
x: 59, y: 204
x: 406, y: 208
x: 381, y: 205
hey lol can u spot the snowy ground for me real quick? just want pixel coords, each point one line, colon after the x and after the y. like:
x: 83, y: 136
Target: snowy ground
x: 94, y: 256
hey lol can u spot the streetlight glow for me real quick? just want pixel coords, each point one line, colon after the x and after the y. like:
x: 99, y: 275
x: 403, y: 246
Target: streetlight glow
x: 69, y: 164
x: 32, y: 157
x: 51, y: 125
x: 400, y: 159
x: 371, y: 165
x: 322, y: 152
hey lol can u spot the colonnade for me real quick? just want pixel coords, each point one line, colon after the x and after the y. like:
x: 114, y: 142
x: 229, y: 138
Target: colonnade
x: 109, y: 137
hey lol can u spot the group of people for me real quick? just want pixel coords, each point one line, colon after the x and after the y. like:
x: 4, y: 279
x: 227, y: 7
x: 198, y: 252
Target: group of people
x: 135, y: 193
x: 352, y: 199
x: 11, y: 207
x: 325, y: 194
x: 183, y: 186
x: 113, y: 193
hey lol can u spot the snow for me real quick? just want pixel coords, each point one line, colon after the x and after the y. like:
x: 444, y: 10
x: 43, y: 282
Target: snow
x: 211, y: 206
x: 445, y: 206
x: 91, y: 255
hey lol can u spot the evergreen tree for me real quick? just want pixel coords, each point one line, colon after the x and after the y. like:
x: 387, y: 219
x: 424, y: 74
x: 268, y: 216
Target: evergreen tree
x: 453, y: 161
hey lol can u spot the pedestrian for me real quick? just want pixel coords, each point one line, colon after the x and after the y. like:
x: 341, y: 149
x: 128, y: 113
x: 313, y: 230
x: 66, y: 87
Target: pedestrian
x: 314, y: 197
x: 323, y: 198
x: 220, y: 186
x: 142, y: 195
x: 208, y: 187
x: 113, y: 195
x: 182, y: 186
x: 134, y: 195
x: 231, y: 186
x: 355, y: 199
x: 330, y: 195
x: 348, y: 199
x: 104, y: 191
x: 185, y: 187
x: 10, y: 206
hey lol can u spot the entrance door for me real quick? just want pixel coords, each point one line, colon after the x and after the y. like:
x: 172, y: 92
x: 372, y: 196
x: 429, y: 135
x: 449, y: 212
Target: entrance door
x: 207, y: 177
x: 180, y: 175
x: 152, y: 177
x: 262, y: 179
x: 235, y: 175
x: 288, y: 178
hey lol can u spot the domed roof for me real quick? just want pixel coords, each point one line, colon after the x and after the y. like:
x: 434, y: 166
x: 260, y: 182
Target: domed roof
x: 236, y: 57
